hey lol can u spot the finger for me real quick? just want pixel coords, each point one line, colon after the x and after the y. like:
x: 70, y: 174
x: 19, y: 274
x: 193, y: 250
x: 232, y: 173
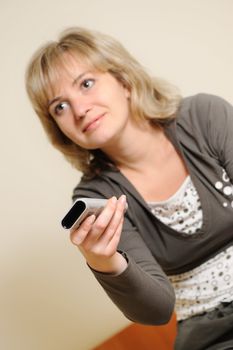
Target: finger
x: 113, y: 243
x: 77, y: 236
x: 104, y: 249
x: 103, y: 220
x: 99, y: 226
x: 116, y: 220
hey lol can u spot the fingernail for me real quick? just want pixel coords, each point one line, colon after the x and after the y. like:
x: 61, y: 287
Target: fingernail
x: 122, y: 198
x: 77, y: 241
x: 91, y: 219
x: 114, y: 199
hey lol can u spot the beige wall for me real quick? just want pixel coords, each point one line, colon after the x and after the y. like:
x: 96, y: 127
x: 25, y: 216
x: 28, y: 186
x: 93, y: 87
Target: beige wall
x: 49, y: 299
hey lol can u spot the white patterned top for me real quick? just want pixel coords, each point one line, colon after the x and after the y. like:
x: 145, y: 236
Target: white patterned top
x: 206, y: 286
x: 182, y: 211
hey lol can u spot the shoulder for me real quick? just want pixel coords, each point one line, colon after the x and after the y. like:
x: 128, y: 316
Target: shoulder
x: 203, y: 109
x: 204, y: 122
x: 104, y: 185
x: 201, y: 102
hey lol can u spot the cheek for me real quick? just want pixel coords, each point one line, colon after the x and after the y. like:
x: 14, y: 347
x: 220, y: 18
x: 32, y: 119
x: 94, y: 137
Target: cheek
x: 120, y: 100
x: 66, y: 127
x: 125, y: 105
x: 61, y: 126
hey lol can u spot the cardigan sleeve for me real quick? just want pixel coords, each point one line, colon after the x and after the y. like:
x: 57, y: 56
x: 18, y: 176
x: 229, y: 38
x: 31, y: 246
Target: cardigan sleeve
x: 142, y: 292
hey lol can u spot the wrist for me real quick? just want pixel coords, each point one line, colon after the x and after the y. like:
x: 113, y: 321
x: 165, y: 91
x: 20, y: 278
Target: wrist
x: 113, y: 265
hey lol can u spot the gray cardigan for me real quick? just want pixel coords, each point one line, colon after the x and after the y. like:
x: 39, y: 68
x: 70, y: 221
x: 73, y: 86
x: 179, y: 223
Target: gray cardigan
x: 203, y: 134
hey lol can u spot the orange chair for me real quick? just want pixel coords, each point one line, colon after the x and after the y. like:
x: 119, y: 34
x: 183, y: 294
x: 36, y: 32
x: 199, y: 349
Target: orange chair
x: 140, y: 337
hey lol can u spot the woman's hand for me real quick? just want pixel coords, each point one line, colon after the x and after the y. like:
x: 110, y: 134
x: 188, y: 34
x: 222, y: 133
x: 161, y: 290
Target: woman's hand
x: 98, y: 238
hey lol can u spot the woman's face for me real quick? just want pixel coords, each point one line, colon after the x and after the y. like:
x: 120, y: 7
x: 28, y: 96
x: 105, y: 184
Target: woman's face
x: 90, y: 107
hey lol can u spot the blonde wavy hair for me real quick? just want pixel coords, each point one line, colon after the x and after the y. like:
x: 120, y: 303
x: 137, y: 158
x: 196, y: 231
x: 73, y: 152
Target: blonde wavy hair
x: 150, y: 98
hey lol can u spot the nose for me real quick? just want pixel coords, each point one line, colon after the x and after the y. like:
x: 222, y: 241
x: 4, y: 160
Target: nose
x: 81, y: 106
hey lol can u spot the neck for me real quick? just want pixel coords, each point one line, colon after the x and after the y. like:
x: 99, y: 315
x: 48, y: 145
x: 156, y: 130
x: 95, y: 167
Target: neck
x: 138, y: 148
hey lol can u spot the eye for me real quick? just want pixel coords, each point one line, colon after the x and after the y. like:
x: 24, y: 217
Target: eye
x: 60, y: 108
x: 87, y: 83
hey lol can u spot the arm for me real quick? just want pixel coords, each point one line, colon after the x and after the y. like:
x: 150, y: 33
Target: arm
x: 142, y: 291
x: 129, y: 273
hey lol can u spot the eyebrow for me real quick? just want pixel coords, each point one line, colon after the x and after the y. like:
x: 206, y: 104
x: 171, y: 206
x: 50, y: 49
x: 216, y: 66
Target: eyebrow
x: 76, y: 80
x: 79, y: 77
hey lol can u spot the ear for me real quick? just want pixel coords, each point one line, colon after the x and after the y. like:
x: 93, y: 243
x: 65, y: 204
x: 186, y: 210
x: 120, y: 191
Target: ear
x: 127, y: 92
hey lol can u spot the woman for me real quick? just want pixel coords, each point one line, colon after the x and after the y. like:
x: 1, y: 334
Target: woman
x: 136, y: 140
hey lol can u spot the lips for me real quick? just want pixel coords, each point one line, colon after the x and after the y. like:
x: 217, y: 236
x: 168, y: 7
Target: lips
x: 92, y: 124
